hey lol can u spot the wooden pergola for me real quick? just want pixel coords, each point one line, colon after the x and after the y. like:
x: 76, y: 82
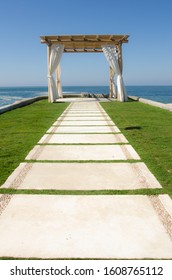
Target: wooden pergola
x: 86, y: 44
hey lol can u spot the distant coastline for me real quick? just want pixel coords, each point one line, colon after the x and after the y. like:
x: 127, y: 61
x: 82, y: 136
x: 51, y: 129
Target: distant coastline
x: 9, y: 95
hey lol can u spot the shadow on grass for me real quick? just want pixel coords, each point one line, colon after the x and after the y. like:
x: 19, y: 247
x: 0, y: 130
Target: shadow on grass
x: 132, y: 127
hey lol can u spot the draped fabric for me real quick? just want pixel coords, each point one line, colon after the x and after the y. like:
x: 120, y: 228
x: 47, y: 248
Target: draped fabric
x: 55, y: 56
x: 58, y: 83
x: 112, y: 83
x: 111, y: 55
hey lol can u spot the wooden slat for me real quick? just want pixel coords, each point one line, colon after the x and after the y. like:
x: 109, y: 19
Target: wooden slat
x: 82, y: 50
x: 85, y: 45
x: 82, y: 38
x: 81, y: 43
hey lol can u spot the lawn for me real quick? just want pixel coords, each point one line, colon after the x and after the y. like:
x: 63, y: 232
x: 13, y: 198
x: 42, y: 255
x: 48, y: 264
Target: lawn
x: 147, y: 128
x: 149, y: 131
x: 21, y: 129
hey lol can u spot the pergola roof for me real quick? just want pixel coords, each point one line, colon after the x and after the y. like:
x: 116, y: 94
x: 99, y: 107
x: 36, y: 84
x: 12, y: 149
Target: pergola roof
x: 84, y: 43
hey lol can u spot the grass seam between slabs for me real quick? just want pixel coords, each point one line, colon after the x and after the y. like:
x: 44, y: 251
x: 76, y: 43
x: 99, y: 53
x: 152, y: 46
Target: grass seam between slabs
x: 82, y: 192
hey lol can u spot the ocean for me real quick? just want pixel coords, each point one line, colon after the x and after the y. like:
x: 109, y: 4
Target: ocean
x: 9, y: 95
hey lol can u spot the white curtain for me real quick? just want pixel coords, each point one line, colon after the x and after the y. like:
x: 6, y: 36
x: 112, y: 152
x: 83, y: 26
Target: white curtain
x: 55, y: 56
x: 111, y: 55
x: 114, y: 92
x: 58, y: 83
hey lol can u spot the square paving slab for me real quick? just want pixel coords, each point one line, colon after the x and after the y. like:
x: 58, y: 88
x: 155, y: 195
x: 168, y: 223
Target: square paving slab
x: 76, y: 118
x: 93, y: 111
x: 83, y: 123
x: 86, y: 105
x: 83, y: 138
x: 80, y: 129
x: 84, y: 111
x: 95, y: 115
x: 82, y: 100
x: 82, y: 152
x: 82, y: 176
x: 42, y: 226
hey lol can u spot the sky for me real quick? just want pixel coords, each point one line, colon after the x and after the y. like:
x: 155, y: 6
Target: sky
x: 147, y: 58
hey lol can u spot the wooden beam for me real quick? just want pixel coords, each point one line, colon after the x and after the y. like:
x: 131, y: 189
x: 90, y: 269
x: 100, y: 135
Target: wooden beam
x: 111, y: 80
x: 83, y: 45
x: 84, y: 41
x: 119, y: 47
x: 82, y: 50
x: 48, y: 63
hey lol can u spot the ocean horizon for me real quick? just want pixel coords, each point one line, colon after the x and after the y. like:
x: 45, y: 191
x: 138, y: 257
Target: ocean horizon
x: 9, y: 95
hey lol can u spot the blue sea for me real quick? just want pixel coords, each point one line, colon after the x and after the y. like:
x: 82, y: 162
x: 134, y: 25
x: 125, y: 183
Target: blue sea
x: 9, y: 95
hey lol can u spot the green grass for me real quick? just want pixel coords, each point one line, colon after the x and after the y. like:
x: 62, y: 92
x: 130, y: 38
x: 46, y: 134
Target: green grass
x: 21, y: 129
x: 83, y: 192
x: 149, y: 130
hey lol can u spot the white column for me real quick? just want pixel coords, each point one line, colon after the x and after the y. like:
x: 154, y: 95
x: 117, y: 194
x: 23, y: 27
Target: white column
x: 111, y: 55
x: 54, y: 60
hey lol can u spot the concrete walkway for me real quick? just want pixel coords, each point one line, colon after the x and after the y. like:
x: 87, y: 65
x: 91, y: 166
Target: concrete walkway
x: 84, y: 150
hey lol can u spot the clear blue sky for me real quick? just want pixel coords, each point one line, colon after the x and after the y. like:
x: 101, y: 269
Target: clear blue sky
x: 147, y: 57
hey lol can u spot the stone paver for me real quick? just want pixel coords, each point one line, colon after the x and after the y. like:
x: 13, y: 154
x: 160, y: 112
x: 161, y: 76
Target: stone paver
x: 85, y: 104
x: 83, y: 138
x: 81, y: 129
x: 83, y: 123
x: 87, y: 176
x: 85, y: 118
x: 83, y: 152
x: 87, y: 112
x: 84, y: 115
x: 82, y: 100
x: 83, y: 227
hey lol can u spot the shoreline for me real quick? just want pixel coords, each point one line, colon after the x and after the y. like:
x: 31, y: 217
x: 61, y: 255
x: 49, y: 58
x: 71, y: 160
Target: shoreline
x: 28, y: 101
x: 164, y: 106
x: 162, y: 94
x: 21, y: 103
